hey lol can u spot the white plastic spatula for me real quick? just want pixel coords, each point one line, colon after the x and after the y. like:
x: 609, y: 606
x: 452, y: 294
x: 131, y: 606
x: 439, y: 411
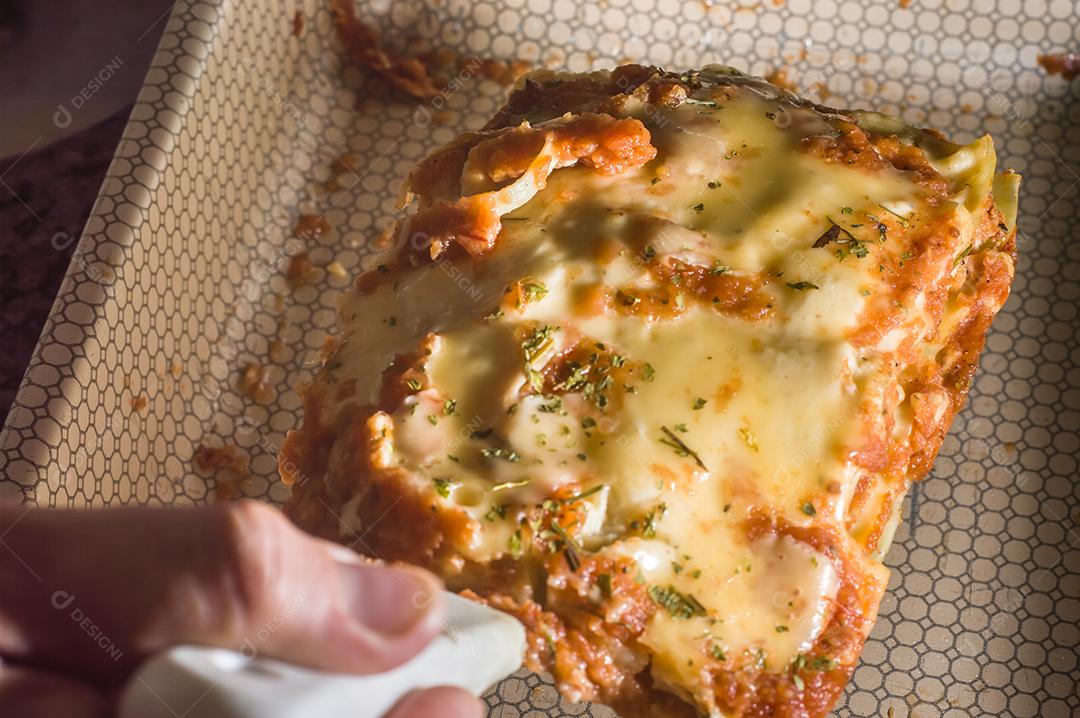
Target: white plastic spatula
x: 478, y: 647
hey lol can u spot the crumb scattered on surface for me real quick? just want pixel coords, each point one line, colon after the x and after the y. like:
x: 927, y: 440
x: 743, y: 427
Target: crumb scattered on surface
x: 1066, y: 64
x: 822, y: 90
x: 443, y: 117
x: 336, y: 270
x: 502, y: 72
x: 175, y: 368
x: 310, y: 227
x: 297, y: 24
x: 253, y: 382
x: 423, y: 76
x: 346, y: 164
x: 227, y: 457
x: 300, y: 270
x: 139, y: 402
x: 904, y: 4
x: 779, y: 77
x: 229, y: 466
x: 363, y: 45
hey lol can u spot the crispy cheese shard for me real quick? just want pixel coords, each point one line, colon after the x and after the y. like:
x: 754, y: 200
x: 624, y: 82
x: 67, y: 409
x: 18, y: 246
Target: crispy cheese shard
x: 651, y: 368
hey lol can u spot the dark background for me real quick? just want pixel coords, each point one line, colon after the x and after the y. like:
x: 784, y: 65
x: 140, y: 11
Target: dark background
x: 69, y: 72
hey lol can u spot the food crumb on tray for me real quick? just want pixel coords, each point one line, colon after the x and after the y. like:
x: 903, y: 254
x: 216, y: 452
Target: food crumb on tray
x: 363, y: 45
x: 779, y: 77
x: 1066, y: 64
x: 423, y: 76
x: 229, y: 466
x: 310, y: 227
x: 253, y: 382
x: 300, y: 270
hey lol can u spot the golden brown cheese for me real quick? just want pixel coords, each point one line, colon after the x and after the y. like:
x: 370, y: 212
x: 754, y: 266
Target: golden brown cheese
x: 651, y: 368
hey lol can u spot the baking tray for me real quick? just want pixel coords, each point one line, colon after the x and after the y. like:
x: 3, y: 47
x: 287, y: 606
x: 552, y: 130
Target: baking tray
x: 178, y: 281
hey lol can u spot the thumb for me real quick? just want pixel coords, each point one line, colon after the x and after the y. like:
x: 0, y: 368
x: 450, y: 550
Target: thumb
x: 92, y: 593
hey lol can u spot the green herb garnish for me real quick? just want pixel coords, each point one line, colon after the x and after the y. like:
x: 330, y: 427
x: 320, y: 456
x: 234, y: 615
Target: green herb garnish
x: 533, y: 290
x: 583, y: 495
x: 496, y: 511
x: 532, y: 347
x: 649, y: 530
x: 817, y: 663
x: 851, y: 248
x: 499, y: 453
x: 679, y: 605
x: 964, y: 255
x: 516, y: 549
x: 570, y: 547
x: 680, y: 447
x: 902, y: 218
x: 443, y: 486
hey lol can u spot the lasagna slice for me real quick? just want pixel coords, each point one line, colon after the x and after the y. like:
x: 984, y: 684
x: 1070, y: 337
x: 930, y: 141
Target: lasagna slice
x: 651, y: 367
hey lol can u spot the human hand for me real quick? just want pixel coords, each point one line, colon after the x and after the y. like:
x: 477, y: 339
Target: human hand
x: 85, y: 596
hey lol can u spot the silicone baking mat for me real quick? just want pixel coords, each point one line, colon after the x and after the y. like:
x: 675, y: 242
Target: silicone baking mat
x: 178, y: 282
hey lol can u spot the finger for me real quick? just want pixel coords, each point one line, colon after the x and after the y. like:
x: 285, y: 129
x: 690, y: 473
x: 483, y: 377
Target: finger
x: 444, y: 701
x: 92, y: 593
x: 26, y: 693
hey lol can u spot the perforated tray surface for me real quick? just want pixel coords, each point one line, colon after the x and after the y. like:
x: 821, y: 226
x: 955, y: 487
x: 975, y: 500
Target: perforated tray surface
x: 177, y: 277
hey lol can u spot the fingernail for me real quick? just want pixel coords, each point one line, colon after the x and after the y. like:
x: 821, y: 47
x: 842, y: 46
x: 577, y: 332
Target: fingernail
x: 389, y: 599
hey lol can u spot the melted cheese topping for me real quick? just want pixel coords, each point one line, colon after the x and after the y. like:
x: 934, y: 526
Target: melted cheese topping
x: 721, y: 413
